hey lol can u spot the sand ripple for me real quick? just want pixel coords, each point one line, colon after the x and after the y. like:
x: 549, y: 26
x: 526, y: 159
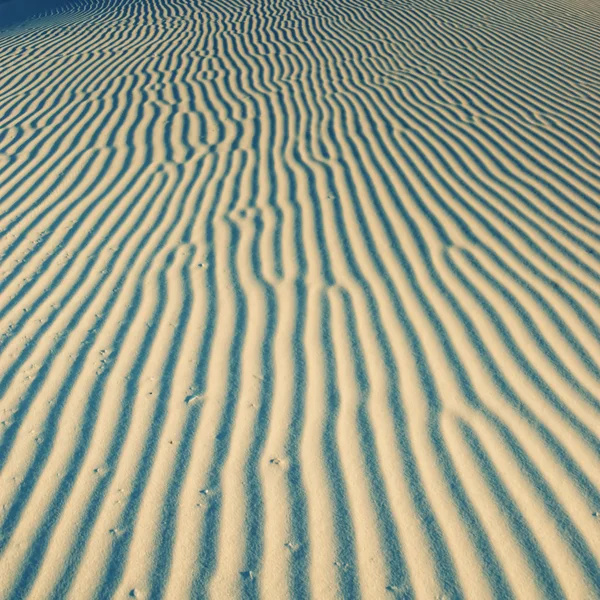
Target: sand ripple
x: 300, y: 298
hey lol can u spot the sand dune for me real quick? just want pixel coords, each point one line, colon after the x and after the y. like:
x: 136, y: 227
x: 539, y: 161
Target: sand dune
x: 300, y: 298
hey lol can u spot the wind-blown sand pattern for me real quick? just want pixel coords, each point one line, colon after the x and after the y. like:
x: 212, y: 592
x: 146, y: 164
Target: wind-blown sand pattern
x: 301, y: 298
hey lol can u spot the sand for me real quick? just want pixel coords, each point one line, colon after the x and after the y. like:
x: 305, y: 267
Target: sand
x: 300, y: 298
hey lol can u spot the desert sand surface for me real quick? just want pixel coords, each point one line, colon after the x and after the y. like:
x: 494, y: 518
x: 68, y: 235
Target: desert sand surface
x: 300, y: 299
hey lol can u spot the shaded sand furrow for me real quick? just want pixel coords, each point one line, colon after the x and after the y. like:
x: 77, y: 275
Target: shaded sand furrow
x: 300, y: 299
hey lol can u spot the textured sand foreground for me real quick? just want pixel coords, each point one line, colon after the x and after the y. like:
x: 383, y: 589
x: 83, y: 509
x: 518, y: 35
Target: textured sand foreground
x: 301, y: 298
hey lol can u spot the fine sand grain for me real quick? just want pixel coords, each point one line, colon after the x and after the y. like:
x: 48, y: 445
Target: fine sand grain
x: 300, y: 298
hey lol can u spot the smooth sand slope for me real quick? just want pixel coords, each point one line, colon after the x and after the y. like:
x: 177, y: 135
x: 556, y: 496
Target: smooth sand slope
x: 301, y: 298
